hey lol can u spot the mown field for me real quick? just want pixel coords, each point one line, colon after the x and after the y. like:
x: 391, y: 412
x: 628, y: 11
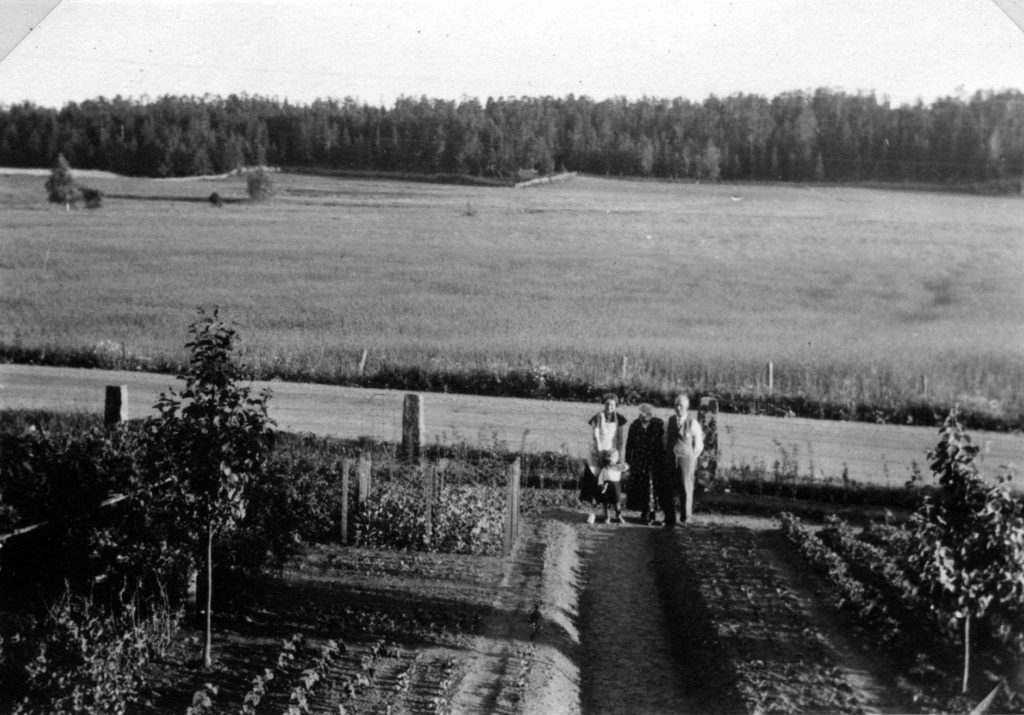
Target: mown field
x: 854, y: 294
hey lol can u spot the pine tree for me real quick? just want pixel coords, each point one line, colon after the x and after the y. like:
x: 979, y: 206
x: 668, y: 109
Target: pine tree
x: 60, y: 187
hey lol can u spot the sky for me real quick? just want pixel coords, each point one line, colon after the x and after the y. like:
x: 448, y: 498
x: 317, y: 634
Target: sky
x: 377, y: 50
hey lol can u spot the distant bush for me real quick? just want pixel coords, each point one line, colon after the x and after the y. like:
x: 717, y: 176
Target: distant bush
x: 93, y: 198
x: 216, y: 200
x: 260, y: 185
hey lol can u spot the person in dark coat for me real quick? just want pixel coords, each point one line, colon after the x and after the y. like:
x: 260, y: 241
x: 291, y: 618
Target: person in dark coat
x: 645, y: 456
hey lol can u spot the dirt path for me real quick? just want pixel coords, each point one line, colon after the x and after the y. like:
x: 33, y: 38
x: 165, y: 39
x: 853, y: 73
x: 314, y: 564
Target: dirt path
x: 524, y: 660
x: 626, y: 655
x: 869, y: 452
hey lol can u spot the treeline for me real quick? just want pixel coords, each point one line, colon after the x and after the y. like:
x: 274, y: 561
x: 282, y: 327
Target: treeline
x: 821, y: 136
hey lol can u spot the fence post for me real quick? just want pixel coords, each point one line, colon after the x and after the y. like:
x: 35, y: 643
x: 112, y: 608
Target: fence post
x: 442, y: 467
x: 625, y: 364
x: 707, y: 463
x: 924, y: 386
x: 771, y: 378
x: 192, y: 608
x: 412, y: 427
x: 429, y: 481
x: 364, y: 469
x: 346, y: 465
x: 115, y: 406
x: 512, y: 507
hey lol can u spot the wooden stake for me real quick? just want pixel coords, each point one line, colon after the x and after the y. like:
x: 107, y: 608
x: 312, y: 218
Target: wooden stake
x: 115, y: 406
x: 412, y: 427
x: 346, y: 465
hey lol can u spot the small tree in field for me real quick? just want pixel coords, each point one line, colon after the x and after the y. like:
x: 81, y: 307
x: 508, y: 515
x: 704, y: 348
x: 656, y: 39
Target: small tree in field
x: 60, y: 187
x: 710, y: 163
x: 971, y: 539
x: 260, y: 185
x: 213, y: 439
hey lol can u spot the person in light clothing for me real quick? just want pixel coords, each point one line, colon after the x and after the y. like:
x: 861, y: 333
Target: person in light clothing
x: 601, y: 477
x: 684, y: 441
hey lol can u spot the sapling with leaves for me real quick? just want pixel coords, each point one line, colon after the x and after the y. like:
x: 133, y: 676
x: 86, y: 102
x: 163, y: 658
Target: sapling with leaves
x: 214, y: 439
x: 60, y: 186
x: 970, y: 559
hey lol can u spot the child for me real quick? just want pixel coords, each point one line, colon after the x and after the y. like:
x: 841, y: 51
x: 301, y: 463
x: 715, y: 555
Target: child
x: 609, y: 481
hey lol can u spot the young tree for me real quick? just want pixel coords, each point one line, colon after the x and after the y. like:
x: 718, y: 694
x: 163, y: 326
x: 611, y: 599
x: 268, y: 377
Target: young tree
x: 710, y: 162
x: 60, y: 187
x: 260, y: 185
x: 971, y: 538
x: 213, y: 439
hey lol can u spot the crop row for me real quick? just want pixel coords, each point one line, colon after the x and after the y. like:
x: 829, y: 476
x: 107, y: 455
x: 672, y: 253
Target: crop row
x: 375, y: 676
x: 893, y: 580
x: 877, y: 559
x: 890, y: 621
x: 779, y: 656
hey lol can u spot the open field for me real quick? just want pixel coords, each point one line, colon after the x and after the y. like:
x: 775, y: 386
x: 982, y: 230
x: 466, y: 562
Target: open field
x: 854, y: 294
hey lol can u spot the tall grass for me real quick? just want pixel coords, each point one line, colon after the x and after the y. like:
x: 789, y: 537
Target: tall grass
x: 870, y: 304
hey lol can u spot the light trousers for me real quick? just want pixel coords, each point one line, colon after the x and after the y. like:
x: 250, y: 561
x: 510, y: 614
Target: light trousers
x: 681, y: 483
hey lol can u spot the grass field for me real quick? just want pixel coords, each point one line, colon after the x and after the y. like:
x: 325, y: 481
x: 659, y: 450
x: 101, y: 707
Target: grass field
x: 854, y: 294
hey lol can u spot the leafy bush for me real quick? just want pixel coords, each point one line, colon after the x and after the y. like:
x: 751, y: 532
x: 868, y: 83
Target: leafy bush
x: 466, y: 520
x: 62, y: 477
x: 83, y: 659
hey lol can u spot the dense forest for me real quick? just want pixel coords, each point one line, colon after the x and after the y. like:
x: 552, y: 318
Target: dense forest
x: 821, y: 136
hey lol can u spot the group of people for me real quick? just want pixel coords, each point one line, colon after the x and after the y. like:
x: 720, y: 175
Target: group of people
x: 658, y: 462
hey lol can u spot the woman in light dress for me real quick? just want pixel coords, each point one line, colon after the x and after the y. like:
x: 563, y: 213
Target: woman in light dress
x: 601, y: 481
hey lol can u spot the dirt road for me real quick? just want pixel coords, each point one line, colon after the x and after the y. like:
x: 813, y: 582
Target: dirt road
x: 878, y: 453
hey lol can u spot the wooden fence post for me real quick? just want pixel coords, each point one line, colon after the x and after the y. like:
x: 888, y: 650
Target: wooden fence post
x: 442, y: 467
x: 364, y: 470
x: 346, y: 465
x: 115, y: 406
x: 412, y: 427
x: 512, y: 507
x: 193, y: 610
x: 429, y: 496
x: 707, y: 463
